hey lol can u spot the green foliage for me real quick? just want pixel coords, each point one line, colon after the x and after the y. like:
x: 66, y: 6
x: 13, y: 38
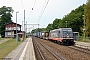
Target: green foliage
x: 87, y: 17
x: 49, y: 27
x: 5, y: 17
x: 74, y: 19
x: 56, y: 23
x: 38, y: 30
x: 7, y: 47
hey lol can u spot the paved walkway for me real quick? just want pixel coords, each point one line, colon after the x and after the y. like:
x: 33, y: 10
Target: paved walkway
x: 2, y: 41
x: 24, y: 51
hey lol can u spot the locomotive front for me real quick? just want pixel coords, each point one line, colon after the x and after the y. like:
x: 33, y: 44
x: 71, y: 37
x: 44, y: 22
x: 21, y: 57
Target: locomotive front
x: 67, y: 35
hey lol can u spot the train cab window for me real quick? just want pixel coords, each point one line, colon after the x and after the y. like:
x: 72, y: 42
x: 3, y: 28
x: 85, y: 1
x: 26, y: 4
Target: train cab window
x: 64, y: 31
x: 67, y: 31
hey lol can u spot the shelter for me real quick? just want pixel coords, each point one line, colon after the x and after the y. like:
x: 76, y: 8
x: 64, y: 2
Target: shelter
x: 75, y: 35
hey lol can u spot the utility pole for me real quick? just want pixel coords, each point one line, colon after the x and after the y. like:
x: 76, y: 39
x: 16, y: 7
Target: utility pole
x: 66, y: 24
x: 24, y: 25
x: 38, y: 26
x: 16, y: 29
x: 26, y: 29
x: 84, y: 27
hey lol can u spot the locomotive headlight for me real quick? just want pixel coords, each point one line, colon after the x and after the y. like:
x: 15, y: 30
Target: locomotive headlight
x: 67, y: 36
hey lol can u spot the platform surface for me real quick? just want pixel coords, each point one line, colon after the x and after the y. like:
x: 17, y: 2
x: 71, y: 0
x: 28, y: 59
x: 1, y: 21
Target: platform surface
x: 24, y: 51
x: 82, y: 44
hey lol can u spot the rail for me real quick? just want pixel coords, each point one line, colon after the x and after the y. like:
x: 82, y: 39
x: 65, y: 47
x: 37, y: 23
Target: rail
x: 55, y: 54
x: 37, y: 47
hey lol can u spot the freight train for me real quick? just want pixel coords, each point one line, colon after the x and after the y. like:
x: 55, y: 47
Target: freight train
x: 61, y: 36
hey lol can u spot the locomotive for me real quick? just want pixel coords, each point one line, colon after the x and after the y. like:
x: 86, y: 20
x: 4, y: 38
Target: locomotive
x: 62, y: 36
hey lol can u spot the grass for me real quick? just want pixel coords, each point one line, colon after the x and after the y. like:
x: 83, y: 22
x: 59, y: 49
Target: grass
x: 81, y: 39
x: 7, y: 47
x: 2, y: 38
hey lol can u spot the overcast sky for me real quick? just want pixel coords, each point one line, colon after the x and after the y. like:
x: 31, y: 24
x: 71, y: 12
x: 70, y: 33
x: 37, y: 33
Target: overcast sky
x: 54, y: 9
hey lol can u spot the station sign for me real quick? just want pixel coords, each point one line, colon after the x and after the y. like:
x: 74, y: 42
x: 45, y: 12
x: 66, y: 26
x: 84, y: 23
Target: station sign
x: 84, y: 29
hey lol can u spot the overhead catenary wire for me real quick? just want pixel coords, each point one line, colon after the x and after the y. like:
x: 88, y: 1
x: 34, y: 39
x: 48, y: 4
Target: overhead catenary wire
x: 24, y: 17
x: 22, y: 5
x: 43, y: 9
x: 33, y: 7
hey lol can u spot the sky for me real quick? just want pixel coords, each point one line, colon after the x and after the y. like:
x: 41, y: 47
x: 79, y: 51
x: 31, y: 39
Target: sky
x: 40, y: 12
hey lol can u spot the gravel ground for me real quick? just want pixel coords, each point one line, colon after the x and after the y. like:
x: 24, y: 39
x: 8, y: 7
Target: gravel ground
x: 68, y: 53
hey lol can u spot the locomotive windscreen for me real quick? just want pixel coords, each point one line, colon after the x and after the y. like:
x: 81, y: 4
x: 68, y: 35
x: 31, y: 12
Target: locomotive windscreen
x: 67, y: 33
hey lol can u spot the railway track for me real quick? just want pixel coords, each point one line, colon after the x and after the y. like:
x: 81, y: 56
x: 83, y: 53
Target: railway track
x: 46, y: 53
x: 68, y: 52
x: 36, y: 47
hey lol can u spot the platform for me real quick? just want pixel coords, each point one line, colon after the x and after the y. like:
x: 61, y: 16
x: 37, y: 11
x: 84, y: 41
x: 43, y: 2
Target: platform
x: 82, y: 44
x: 24, y: 51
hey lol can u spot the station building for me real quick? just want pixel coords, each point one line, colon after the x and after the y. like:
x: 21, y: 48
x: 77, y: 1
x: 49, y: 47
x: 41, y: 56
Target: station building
x: 10, y: 30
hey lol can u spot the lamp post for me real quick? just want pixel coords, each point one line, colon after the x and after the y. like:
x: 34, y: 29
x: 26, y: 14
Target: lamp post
x: 16, y: 28
x: 84, y: 27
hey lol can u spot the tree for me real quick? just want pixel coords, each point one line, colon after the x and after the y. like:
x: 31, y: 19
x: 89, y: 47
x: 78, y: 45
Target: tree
x: 74, y: 19
x: 87, y: 17
x: 56, y: 23
x: 38, y: 30
x: 5, y: 17
x: 49, y: 27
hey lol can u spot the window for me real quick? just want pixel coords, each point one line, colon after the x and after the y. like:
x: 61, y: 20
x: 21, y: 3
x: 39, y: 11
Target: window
x: 9, y: 33
x: 6, y: 28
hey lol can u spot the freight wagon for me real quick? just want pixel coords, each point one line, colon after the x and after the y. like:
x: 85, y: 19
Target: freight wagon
x: 45, y: 35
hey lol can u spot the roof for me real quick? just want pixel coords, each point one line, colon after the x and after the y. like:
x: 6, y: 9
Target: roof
x: 59, y: 29
x: 12, y: 23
